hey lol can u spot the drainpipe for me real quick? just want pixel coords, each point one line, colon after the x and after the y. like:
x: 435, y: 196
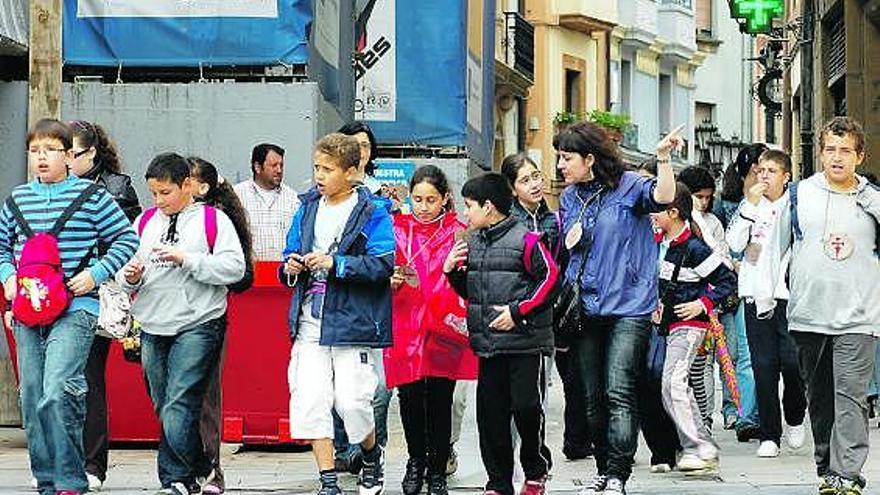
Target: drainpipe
x: 808, y: 35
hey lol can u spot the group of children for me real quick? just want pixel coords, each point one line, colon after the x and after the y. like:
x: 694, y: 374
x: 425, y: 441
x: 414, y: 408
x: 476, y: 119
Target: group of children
x: 471, y: 301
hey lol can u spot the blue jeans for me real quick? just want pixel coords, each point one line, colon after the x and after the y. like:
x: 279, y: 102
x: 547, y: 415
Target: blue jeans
x: 874, y: 386
x: 51, y: 367
x: 610, y: 357
x: 178, y: 369
x: 745, y: 377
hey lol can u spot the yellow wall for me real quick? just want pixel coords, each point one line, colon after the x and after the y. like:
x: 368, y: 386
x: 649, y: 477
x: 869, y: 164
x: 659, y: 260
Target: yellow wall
x: 553, y: 45
x: 547, y: 97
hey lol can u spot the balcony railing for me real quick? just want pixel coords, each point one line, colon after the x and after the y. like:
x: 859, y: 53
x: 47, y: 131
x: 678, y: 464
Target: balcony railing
x: 520, y: 44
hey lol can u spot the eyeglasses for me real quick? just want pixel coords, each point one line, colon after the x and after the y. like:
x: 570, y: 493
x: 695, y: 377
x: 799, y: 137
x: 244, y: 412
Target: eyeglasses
x: 35, y: 151
x: 77, y: 154
x: 532, y: 177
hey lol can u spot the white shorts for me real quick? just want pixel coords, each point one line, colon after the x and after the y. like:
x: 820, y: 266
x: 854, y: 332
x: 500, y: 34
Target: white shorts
x: 325, y: 378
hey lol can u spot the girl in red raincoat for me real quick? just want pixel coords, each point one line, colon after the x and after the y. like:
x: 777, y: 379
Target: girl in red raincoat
x: 431, y: 349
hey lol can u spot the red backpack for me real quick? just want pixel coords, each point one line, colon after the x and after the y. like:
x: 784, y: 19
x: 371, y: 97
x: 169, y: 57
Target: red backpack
x: 42, y: 295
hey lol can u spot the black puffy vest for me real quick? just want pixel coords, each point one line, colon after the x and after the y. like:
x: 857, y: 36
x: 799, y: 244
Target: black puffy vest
x: 497, y: 276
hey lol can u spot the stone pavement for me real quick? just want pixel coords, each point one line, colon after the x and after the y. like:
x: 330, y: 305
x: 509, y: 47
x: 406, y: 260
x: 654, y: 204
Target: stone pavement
x: 259, y: 472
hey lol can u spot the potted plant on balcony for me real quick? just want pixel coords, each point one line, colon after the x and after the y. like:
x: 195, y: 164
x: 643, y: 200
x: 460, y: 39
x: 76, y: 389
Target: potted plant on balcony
x: 615, y: 123
x: 564, y: 119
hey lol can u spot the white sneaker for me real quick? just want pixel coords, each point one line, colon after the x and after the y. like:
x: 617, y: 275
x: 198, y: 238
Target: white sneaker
x: 660, y: 468
x: 768, y: 448
x: 796, y: 436
x: 614, y: 486
x: 595, y: 486
x: 95, y: 483
x: 691, y: 462
x: 34, y: 483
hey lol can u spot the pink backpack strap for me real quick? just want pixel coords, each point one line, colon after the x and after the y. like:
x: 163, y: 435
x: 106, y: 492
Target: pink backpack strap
x: 531, y: 239
x: 145, y: 218
x: 211, y: 227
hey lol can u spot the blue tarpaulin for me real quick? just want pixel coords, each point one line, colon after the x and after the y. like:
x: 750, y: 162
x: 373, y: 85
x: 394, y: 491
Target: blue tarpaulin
x: 431, y: 56
x: 169, y: 33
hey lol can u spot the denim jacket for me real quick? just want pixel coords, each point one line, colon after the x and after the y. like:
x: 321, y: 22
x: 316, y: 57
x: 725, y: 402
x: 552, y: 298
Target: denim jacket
x: 620, y: 278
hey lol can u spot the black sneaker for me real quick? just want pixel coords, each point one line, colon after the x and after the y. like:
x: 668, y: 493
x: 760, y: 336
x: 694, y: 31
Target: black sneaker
x: 595, y: 486
x: 747, y: 433
x: 180, y: 488
x: 437, y: 484
x: 355, y: 462
x: 414, y: 478
x: 329, y: 489
x: 829, y: 485
x: 372, y: 478
x: 851, y: 487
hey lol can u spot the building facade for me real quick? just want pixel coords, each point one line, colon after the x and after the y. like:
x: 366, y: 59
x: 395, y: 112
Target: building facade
x: 723, y: 103
x: 845, y: 73
x: 654, y: 59
x: 572, y: 51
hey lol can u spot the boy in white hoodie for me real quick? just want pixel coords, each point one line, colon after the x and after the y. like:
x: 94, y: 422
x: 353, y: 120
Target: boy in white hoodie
x: 834, y: 313
x: 761, y: 230
x: 188, y: 254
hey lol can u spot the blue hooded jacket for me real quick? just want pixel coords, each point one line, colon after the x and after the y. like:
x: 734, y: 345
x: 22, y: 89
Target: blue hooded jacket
x: 357, y: 304
x: 620, y: 278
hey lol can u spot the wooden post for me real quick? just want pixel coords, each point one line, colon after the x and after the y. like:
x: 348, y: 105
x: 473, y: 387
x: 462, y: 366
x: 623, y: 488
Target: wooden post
x: 44, y: 98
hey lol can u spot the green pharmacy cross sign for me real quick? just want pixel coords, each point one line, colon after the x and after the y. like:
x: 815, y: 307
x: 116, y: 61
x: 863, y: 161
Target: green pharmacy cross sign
x: 758, y: 14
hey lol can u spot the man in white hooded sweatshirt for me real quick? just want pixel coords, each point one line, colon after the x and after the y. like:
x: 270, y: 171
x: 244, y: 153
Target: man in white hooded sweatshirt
x: 833, y: 312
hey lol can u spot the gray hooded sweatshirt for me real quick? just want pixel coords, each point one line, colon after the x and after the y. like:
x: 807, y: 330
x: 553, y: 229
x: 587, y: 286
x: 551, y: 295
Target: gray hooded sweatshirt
x: 829, y: 296
x: 170, y: 298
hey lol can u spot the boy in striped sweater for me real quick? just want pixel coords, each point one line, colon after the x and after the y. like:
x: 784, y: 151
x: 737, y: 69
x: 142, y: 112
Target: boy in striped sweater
x: 52, y: 358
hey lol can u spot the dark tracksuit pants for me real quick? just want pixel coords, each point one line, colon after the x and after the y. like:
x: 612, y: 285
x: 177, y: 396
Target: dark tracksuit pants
x: 773, y: 352
x: 511, y: 386
x: 96, y: 438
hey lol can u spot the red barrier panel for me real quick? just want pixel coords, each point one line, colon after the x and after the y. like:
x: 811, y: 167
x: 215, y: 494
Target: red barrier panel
x: 255, y: 393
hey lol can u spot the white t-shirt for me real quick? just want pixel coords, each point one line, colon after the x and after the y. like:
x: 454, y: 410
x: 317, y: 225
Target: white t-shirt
x: 762, y: 233
x: 330, y: 222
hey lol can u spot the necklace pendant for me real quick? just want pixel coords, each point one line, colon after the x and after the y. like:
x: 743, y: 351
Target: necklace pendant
x: 573, y: 236
x: 410, y: 276
x: 838, y: 246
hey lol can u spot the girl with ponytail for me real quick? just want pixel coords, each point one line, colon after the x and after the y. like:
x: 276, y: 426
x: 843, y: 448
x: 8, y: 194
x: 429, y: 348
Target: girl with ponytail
x: 688, y: 268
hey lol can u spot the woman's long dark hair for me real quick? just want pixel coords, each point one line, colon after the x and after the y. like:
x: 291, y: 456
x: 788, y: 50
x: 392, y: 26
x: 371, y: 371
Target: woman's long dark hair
x: 586, y: 138
x: 93, y: 135
x: 355, y: 127
x: 221, y: 196
x: 735, y: 175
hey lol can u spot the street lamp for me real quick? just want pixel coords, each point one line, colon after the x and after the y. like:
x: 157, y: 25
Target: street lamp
x: 704, y: 134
